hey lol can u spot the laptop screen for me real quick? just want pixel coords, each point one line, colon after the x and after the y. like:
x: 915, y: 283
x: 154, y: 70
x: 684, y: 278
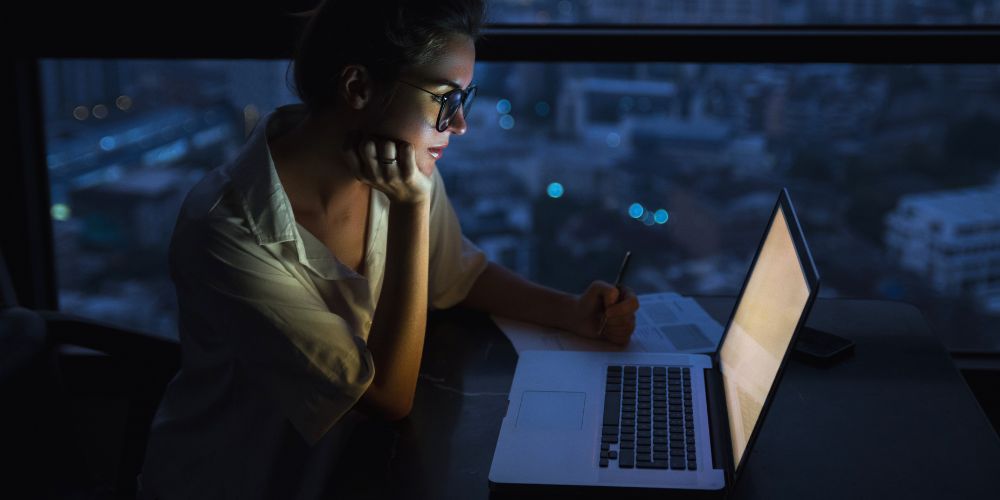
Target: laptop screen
x: 774, y: 297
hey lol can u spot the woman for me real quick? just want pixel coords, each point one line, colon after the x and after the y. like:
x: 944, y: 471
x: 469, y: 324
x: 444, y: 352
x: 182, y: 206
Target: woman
x: 305, y: 267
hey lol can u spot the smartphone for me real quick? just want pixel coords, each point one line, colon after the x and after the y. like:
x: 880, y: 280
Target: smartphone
x: 822, y: 348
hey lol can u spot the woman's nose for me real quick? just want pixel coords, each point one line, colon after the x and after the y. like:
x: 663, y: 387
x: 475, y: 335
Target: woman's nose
x: 458, y: 126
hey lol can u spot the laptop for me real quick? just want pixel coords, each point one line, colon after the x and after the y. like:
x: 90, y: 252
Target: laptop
x: 662, y: 421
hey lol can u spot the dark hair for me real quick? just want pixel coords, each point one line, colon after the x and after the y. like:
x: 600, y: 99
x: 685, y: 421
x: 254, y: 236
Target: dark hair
x: 385, y: 36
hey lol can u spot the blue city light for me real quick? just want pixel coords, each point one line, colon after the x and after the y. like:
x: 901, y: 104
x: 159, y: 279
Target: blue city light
x: 636, y: 210
x: 661, y: 216
x: 625, y: 104
x: 555, y: 190
x: 647, y: 219
x: 503, y: 106
x: 108, y: 143
x: 506, y: 122
x: 542, y: 109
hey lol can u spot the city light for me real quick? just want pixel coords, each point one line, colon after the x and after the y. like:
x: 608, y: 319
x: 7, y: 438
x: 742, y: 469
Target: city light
x: 647, y: 219
x: 81, y: 113
x: 635, y: 211
x: 108, y: 143
x: 625, y: 104
x: 555, y: 190
x: 542, y: 109
x: 60, y: 212
x: 503, y: 106
x: 661, y: 216
x: 506, y: 122
x: 100, y: 112
x: 124, y: 102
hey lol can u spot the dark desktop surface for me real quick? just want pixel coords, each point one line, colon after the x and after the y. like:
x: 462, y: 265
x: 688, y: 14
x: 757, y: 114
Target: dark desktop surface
x: 893, y: 420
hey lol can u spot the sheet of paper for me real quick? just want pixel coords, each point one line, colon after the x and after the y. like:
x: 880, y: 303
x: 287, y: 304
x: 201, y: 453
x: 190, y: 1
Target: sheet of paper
x: 665, y: 322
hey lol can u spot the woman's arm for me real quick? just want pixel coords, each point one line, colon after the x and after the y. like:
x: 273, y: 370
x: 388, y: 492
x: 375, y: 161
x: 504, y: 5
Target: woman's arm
x: 503, y: 293
x: 396, y: 340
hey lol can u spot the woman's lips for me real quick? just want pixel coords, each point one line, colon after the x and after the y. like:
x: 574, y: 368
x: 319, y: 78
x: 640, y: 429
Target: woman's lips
x: 436, y: 152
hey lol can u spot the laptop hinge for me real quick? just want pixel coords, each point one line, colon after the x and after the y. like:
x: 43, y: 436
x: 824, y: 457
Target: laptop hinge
x: 718, y: 423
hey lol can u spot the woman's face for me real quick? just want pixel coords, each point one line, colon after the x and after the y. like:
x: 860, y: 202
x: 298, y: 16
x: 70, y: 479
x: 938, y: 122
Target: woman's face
x: 411, y: 115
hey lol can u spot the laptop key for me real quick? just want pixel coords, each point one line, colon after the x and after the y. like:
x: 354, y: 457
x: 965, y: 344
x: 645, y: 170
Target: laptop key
x: 650, y: 465
x: 678, y: 464
x: 604, y: 462
x: 612, y: 401
x: 692, y: 465
x: 626, y: 460
x: 613, y: 454
x: 609, y: 439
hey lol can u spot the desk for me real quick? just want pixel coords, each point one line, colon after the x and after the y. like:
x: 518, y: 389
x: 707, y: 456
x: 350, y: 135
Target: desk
x: 896, y: 420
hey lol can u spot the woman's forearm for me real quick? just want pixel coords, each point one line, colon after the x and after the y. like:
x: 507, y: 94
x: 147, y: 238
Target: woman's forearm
x: 501, y: 292
x: 396, y: 339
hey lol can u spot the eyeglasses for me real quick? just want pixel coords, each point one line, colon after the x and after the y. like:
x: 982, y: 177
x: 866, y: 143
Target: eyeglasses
x: 451, y: 102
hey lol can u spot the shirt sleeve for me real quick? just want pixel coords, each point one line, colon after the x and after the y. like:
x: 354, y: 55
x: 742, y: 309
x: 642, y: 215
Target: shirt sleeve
x: 455, y: 262
x: 304, y: 357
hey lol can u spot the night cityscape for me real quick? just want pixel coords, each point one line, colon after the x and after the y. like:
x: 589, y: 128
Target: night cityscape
x: 894, y: 169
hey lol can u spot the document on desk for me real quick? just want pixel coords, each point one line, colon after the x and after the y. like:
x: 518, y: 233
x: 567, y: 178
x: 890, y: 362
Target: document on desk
x: 665, y: 322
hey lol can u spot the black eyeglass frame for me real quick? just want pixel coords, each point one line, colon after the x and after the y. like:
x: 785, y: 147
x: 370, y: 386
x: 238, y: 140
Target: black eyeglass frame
x: 465, y: 103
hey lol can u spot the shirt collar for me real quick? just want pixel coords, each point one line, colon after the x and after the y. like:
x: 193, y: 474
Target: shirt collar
x: 267, y: 207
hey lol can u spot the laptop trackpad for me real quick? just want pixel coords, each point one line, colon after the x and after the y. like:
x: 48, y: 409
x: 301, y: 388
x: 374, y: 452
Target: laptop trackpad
x: 550, y: 410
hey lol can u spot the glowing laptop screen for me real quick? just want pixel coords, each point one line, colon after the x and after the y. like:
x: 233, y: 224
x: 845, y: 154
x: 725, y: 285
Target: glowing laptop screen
x: 761, y: 330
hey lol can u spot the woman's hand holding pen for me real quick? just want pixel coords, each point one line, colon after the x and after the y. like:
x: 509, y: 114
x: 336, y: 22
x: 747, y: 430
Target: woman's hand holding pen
x: 604, y: 305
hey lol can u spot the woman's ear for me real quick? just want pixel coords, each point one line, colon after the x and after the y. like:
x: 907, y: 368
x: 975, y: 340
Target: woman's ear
x: 355, y: 86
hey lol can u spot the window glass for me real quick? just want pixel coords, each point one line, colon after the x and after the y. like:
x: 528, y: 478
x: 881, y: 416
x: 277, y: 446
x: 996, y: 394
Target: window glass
x: 750, y: 12
x: 893, y: 170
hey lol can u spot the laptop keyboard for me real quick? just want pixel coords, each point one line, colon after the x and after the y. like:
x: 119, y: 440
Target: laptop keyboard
x: 648, y: 418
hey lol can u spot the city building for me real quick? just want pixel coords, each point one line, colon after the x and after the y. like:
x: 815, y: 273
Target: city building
x: 952, y: 238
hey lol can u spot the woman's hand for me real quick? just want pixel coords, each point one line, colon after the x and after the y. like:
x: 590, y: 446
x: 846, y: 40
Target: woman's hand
x: 601, y: 302
x: 391, y: 167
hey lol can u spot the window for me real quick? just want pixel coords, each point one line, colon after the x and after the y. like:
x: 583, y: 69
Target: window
x: 566, y: 166
x: 746, y: 12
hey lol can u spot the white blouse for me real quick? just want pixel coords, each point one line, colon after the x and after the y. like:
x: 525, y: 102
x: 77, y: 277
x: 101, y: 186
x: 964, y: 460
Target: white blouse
x: 273, y: 331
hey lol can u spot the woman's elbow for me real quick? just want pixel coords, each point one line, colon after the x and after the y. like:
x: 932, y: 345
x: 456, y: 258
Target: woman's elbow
x: 397, y: 412
x: 383, y: 405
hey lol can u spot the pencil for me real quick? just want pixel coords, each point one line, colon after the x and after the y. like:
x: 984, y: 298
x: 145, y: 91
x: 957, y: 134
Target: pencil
x: 618, y: 285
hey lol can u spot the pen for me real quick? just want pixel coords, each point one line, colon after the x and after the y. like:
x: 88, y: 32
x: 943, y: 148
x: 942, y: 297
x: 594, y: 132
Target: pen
x: 618, y: 284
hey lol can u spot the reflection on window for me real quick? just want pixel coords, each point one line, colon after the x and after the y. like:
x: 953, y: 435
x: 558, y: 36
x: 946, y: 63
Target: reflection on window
x: 827, y: 12
x: 894, y: 171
